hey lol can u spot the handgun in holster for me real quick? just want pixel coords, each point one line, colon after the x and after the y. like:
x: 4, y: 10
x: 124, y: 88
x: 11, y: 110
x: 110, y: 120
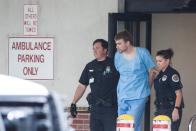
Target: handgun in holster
x: 89, y: 99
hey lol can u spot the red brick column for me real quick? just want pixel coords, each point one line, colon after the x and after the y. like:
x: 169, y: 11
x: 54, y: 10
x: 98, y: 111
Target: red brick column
x: 81, y: 122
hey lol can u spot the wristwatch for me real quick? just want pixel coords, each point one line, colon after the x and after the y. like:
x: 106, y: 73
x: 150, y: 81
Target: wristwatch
x: 177, y: 107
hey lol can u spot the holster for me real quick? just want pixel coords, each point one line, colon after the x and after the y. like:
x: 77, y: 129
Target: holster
x: 165, y: 103
x: 89, y: 98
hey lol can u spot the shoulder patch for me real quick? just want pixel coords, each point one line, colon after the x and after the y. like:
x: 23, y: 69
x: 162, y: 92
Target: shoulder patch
x: 175, y: 78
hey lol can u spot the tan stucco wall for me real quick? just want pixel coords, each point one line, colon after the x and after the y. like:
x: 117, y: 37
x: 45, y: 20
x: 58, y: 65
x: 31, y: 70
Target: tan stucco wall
x: 178, y: 31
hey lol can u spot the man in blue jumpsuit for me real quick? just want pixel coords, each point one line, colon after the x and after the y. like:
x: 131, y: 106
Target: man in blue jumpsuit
x: 135, y: 67
x: 102, y: 77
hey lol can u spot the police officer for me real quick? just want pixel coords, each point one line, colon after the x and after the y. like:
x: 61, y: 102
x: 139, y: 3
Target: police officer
x: 102, y: 77
x: 168, y: 88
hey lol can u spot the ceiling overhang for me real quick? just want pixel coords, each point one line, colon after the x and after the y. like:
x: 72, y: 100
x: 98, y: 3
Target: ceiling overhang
x: 160, y: 6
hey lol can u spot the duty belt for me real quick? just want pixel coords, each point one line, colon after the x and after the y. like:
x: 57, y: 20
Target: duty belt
x: 96, y: 101
x: 164, y: 104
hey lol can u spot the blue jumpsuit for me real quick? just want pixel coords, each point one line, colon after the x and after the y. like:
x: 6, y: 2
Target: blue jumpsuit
x: 165, y: 84
x: 102, y: 78
x: 133, y: 87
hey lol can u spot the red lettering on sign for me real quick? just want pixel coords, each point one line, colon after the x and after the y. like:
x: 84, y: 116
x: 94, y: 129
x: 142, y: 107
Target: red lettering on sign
x: 30, y: 16
x: 27, y: 71
x: 31, y: 46
x: 30, y: 9
x: 27, y: 22
x: 28, y: 58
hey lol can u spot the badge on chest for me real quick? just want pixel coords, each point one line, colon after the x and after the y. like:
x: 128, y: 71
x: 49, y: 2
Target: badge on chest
x: 164, y: 78
x: 91, y: 79
x: 107, y: 70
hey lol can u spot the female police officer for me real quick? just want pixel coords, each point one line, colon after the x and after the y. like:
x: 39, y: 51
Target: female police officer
x: 168, y: 88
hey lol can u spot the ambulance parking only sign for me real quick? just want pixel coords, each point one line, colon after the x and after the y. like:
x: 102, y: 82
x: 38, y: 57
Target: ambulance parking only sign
x: 31, y: 57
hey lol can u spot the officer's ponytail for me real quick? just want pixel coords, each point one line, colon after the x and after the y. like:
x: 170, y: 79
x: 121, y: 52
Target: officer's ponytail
x: 166, y: 54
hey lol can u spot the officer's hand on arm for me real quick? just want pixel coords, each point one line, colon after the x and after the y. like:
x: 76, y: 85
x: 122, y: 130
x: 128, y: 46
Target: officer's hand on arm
x: 73, y: 110
x: 152, y: 74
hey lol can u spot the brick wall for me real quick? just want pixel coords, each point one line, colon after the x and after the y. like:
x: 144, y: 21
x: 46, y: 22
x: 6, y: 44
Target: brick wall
x: 81, y: 122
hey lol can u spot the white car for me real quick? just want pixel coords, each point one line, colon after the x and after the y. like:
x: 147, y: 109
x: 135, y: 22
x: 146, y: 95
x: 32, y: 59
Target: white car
x: 28, y: 106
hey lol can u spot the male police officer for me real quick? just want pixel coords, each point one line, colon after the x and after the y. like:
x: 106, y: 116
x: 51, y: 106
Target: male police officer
x: 102, y: 77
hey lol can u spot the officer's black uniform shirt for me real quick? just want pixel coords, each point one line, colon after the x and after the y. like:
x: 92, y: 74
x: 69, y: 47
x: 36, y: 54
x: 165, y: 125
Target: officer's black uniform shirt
x: 102, y: 78
x: 166, y: 83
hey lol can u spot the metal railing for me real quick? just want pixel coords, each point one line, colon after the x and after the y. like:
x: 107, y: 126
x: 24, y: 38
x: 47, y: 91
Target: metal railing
x: 191, y: 122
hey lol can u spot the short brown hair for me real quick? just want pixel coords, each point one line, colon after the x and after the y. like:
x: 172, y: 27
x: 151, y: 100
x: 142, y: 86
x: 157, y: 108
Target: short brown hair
x: 125, y: 35
x: 103, y: 42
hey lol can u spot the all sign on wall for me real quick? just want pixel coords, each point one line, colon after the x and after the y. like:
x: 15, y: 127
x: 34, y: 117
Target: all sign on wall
x: 30, y: 19
x: 31, y: 58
